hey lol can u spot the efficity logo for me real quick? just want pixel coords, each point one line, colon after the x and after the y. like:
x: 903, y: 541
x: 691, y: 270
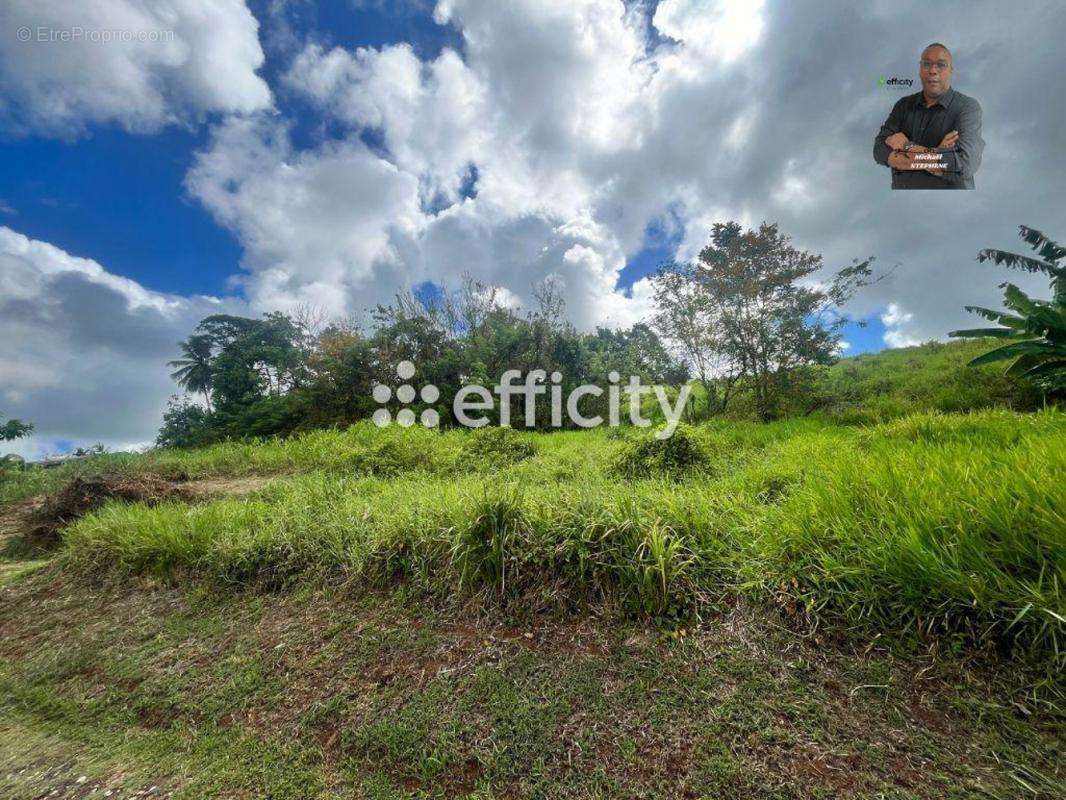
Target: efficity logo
x: 406, y: 394
x: 896, y: 83
x: 472, y: 403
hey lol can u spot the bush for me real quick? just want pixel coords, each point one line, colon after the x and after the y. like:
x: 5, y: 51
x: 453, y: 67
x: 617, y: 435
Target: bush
x: 185, y: 424
x: 681, y: 454
x: 498, y: 447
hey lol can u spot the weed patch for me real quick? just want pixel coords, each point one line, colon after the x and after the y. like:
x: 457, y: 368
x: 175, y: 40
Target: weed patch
x: 682, y: 454
x: 489, y: 448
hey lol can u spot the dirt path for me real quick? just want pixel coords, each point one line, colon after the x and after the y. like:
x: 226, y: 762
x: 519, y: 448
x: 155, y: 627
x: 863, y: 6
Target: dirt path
x: 49, y: 513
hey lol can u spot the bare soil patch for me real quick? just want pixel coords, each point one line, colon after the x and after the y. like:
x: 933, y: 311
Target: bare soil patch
x: 84, y: 495
x: 34, y: 524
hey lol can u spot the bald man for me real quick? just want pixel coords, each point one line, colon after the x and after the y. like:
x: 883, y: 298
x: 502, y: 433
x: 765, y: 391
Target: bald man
x: 932, y: 139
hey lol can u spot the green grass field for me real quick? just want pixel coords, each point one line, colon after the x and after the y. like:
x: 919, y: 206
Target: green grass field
x: 805, y: 608
x: 932, y: 524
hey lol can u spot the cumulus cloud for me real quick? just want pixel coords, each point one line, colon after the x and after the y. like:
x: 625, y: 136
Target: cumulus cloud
x: 545, y: 148
x: 549, y: 111
x: 320, y: 227
x: 723, y: 29
x: 580, y: 135
x: 142, y: 64
x: 429, y: 114
x: 85, y: 350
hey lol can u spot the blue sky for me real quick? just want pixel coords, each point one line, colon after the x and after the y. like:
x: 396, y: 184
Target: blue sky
x: 119, y: 198
x: 251, y: 155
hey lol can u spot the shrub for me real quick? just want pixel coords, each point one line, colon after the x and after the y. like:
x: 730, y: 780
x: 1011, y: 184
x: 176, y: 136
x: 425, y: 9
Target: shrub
x: 498, y: 446
x: 185, y: 424
x: 679, y: 455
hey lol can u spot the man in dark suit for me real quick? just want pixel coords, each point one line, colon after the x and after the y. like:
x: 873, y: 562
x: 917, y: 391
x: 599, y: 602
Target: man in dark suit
x: 932, y: 139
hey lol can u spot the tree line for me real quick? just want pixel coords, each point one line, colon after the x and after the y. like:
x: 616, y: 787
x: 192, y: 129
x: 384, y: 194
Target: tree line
x: 744, y: 319
x: 748, y: 320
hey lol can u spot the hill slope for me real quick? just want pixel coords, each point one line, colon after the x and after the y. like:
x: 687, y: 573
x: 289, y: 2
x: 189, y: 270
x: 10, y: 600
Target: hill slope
x: 796, y: 609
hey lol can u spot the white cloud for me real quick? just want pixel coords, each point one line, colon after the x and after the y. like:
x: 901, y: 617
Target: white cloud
x: 580, y: 138
x: 318, y: 227
x: 724, y: 29
x: 430, y: 114
x: 557, y: 106
x: 85, y: 350
x: 143, y: 64
x: 896, y: 320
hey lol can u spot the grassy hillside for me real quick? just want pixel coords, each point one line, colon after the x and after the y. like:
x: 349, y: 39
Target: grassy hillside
x: 804, y: 608
x: 875, y: 387
x: 945, y: 524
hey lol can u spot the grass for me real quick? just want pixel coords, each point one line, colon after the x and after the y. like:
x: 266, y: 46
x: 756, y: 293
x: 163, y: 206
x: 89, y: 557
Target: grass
x: 873, y: 388
x: 802, y: 609
x: 933, y: 525
x: 868, y: 389
x: 308, y: 694
x: 887, y: 385
x: 360, y: 449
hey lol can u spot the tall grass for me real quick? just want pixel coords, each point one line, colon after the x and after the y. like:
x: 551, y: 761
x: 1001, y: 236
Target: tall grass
x: 362, y: 448
x: 936, y: 524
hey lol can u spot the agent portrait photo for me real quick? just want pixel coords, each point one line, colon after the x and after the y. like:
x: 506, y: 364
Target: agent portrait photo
x: 932, y: 139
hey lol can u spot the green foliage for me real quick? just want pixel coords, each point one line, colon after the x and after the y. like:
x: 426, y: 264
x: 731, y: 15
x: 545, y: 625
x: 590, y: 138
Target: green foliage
x: 271, y: 377
x: 657, y: 571
x: 14, y: 429
x: 932, y: 525
x: 953, y: 531
x: 675, y: 457
x: 498, y: 447
x: 194, y: 370
x: 1036, y: 331
x: 747, y: 314
x: 877, y: 387
x: 245, y: 368
x: 185, y: 424
x: 487, y: 548
x: 273, y: 415
x: 343, y: 368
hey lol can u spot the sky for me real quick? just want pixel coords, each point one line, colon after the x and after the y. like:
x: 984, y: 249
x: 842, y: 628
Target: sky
x: 162, y: 160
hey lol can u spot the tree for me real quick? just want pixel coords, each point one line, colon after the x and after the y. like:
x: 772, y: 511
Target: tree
x: 282, y: 373
x: 14, y: 429
x: 1036, y: 331
x: 185, y: 424
x: 250, y: 372
x: 194, y: 371
x: 255, y: 358
x: 687, y: 317
x: 343, y: 368
x: 753, y: 313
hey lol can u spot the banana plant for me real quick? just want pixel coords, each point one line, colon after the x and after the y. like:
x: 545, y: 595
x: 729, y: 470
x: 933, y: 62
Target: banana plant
x: 1036, y: 330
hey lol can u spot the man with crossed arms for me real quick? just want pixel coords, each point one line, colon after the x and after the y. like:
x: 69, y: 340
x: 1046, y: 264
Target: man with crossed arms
x: 932, y: 139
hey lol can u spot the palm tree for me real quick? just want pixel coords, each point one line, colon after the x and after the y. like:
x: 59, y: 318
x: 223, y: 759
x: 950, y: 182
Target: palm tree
x: 1037, y: 328
x: 13, y: 429
x: 194, y: 372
